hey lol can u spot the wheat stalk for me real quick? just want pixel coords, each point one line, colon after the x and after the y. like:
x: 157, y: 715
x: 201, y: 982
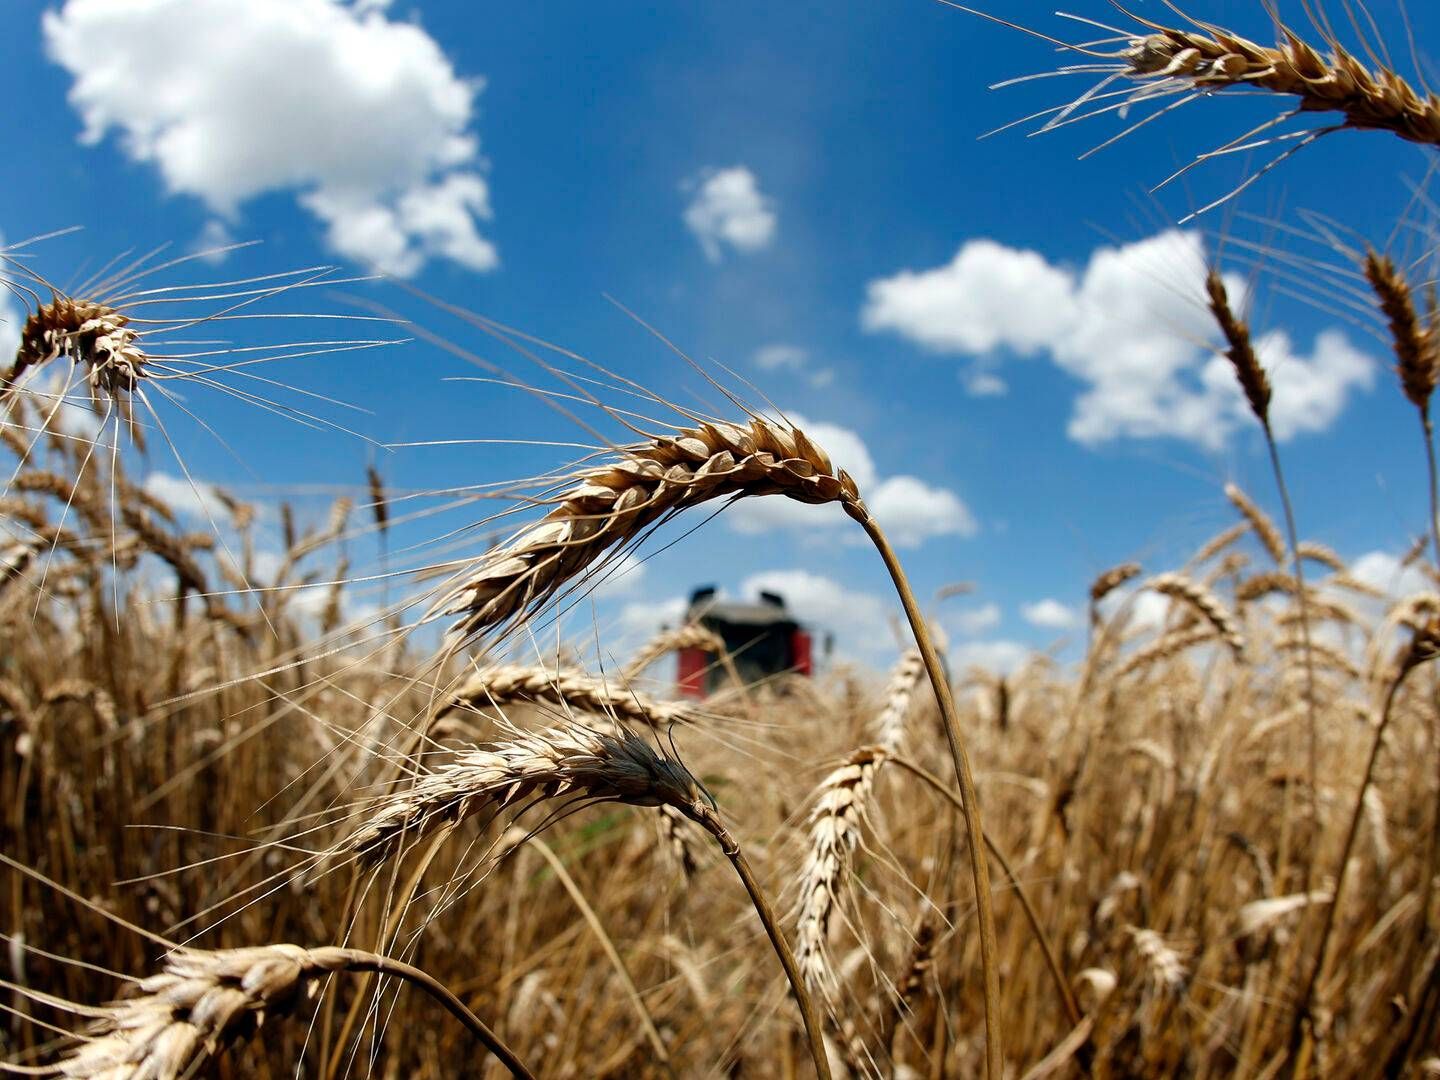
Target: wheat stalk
x: 597, y: 511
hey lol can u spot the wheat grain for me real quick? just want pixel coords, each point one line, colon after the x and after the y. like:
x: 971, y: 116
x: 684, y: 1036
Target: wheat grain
x: 174, y: 1021
x: 1239, y: 349
x: 505, y: 684
x: 1265, y: 529
x: 1212, y: 59
x: 527, y: 768
x: 1204, y: 602
x: 889, y: 726
x: 1416, y: 344
x: 835, y: 822
x: 599, y: 510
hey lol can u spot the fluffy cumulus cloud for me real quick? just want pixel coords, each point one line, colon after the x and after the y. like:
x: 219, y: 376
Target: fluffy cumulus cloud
x: 1050, y: 614
x: 1125, y: 327
x: 361, y: 116
x: 1383, y: 571
x: 910, y: 510
x: 793, y: 359
x: 727, y: 209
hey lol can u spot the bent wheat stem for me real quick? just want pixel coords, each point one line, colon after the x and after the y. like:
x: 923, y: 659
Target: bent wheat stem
x: 813, y: 1029
x: 970, y: 800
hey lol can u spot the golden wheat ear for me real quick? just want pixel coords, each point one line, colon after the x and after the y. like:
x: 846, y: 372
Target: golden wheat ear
x: 1167, y: 67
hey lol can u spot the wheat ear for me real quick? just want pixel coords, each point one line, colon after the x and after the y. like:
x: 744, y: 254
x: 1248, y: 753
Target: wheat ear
x: 597, y: 511
x: 601, y: 509
x: 835, y: 823
x: 1212, y: 59
x: 506, y: 684
x: 177, y: 1019
x: 1203, y: 601
x: 889, y: 726
x: 689, y: 636
x: 528, y: 767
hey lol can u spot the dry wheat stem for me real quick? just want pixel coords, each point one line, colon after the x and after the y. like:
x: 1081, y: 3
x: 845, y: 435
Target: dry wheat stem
x: 1423, y: 648
x: 177, y: 1019
x: 1052, y: 962
x: 970, y: 799
x: 712, y: 824
x: 647, y: 1022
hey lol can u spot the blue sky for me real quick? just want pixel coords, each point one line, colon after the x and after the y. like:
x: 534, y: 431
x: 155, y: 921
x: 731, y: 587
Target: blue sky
x: 996, y: 336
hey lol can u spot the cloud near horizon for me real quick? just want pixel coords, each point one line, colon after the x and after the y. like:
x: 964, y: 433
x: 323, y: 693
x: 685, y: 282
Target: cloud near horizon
x: 1126, y: 328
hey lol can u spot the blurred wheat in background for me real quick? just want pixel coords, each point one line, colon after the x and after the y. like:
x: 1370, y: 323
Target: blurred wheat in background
x: 268, y: 817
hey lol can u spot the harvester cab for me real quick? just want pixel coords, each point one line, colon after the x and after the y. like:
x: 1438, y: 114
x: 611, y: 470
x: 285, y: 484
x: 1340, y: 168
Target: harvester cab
x: 763, y: 639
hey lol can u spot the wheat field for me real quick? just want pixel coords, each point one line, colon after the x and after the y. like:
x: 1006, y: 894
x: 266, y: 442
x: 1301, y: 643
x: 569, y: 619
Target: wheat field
x: 251, y: 826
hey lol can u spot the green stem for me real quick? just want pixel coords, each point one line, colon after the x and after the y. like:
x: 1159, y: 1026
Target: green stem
x: 979, y: 867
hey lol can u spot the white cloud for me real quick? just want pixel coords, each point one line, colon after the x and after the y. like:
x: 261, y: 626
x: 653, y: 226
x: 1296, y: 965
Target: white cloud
x: 793, y: 358
x: 193, y: 500
x: 363, y: 117
x: 1051, y: 614
x: 910, y: 510
x: 781, y: 358
x: 986, y: 297
x: 1383, y: 571
x: 981, y: 383
x: 976, y: 620
x: 728, y: 209
x: 214, y: 238
x: 1126, y: 328
x: 1001, y: 657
